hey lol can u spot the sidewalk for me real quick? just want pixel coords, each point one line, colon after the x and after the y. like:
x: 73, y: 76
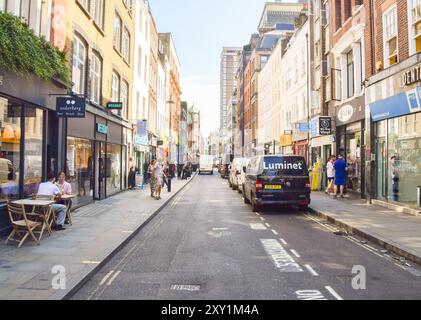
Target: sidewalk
x: 99, y: 230
x: 398, y: 232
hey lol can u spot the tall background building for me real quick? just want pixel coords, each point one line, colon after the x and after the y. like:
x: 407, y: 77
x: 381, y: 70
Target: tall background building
x: 230, y: 57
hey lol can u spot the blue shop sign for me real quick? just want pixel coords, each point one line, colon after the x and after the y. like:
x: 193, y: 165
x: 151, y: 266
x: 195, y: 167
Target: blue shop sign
x: 141, y: 140
x: 396, y: 106
x: 101, y: 128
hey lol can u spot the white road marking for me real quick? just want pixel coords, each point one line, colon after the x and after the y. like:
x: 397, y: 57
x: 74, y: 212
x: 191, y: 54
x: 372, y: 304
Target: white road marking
x: 372, y: 248
x: 333, y: 293
x: 280, y: 257
x: 275, y: 232
x: 113, y: 278
x: 263, y: 219
x: 91, y: 262
x: 310, y: 295
x: 220, y: 229
x: 182, y: 287
x: 283, y: 242
x: 295, y: 253
x: 311, y: 270
x: 267, y: 225
x: 258, y: 214
x: 128, y: 232
x: 106, y: 277
x: 257, y: 226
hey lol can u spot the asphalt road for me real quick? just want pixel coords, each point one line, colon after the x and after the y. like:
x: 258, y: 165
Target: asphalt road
x: 208, y: 244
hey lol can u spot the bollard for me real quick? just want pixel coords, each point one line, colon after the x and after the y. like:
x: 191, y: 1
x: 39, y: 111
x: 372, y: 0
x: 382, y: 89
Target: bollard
x: 169, y: 184
x: 419, y: 196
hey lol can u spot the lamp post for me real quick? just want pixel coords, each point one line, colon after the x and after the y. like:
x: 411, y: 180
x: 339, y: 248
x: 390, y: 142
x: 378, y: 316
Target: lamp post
x: 170, y: 102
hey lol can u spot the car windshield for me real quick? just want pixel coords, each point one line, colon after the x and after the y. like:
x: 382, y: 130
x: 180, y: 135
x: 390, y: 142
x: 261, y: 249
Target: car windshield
x: 285, y: 166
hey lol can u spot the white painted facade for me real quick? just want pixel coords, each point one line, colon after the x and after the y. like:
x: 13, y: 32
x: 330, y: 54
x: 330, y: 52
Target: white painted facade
x: 295, y: 89
x: 141, y: 63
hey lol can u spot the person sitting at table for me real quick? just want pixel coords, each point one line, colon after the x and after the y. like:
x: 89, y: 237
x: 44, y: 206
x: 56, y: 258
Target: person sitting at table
x: 48, y: 188
x: 65, y: 189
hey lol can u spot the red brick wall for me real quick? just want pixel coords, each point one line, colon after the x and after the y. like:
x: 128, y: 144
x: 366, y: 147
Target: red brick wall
x: 376, y: 35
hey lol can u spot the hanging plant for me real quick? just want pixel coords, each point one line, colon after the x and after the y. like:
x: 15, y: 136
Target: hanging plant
x: 22, y: 52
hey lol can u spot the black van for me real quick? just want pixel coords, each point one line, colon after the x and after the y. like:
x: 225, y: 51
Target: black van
x: 277, y: 180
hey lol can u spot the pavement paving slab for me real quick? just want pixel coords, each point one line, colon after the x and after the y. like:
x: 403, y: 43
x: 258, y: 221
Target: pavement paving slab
x: 98, y: 231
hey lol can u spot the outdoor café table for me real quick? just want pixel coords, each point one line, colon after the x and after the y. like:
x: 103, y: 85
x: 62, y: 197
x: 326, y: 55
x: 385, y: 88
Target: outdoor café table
x: 47, y: 210
x: 67, y: 199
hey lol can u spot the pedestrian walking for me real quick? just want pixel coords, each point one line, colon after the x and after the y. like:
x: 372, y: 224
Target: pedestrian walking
x: 340, y: 175
x: 330, y: 170
x: 167, y: 176
x: 132, y: 175
x: 158, y: 176
x: 153, y: 181
x: 395, y: 177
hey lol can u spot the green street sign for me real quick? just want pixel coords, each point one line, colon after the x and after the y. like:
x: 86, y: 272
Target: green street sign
x: 115, y: 105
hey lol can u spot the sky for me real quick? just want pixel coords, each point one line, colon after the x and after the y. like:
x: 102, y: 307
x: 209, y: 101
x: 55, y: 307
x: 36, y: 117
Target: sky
x: 200, y: 29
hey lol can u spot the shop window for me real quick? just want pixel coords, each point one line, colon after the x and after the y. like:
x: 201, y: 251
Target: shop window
x: 79, y: 168
x: 113, y: 169
x: 34, y: 136
x: 10, y: 126
x: 390, y: 37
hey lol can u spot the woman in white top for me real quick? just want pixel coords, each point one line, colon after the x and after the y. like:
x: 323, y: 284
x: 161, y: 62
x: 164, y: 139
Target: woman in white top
x: 330, y: 173
x: 159, y: 175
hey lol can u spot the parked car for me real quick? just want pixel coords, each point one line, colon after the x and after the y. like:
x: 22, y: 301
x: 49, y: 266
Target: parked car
x: 206, y: 164
x: 242, y: 176
x: 277, y: 180
x: 235, y: 172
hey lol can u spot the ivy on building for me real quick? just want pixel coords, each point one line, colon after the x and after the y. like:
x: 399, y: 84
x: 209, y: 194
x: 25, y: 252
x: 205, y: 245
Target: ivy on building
x: 22, y: 52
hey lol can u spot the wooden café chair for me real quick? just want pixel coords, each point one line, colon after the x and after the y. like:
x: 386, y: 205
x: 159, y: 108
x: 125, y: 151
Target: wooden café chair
x: 22, y: 225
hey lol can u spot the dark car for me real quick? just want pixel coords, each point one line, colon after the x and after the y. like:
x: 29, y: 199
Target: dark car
x: 277, y: 180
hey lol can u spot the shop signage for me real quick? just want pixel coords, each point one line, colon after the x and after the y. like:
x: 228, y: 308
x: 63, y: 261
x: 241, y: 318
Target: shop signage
x: 141, y: 140
x: 115, y: 105
x: 321, y: 126
x: 285, y: 140
x: 396, y: 106
x: 70, y: 107
x: 101, y: 128
x: 412, y: 76
x: 352, y: 111
x: 325, y: 126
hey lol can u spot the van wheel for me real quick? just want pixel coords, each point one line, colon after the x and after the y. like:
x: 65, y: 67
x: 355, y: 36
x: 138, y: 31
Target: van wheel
x: 254, y: 206
x: 246, y: 201
x: 303, y: 208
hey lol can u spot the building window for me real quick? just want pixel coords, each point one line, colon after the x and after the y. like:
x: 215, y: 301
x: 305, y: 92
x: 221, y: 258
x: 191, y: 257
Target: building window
x: 85, y: 4
x: 139, y: 63
x: 415, y: 16
x: 347, y: 9
x: 3, y: 5
x: 125, y: 49
x: 96, y: 71
x: 350, y: 73
x: 79, y: 65
x: 117, y: 32
x: 338, y: 14
x: 98, y: 12
x: 125, y: 97
x: 115, y: 88
x: 390, y: 37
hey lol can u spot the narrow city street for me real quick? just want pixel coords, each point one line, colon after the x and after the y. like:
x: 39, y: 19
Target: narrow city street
x: 208, y: 244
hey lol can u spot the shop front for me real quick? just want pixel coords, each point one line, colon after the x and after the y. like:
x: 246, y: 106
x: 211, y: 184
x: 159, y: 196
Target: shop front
x: 300, y: 140
x: 28, y: 137
x: 141, y: 150
x: 350, y: 132
x: 396, y: 127
x: 96, y: 156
